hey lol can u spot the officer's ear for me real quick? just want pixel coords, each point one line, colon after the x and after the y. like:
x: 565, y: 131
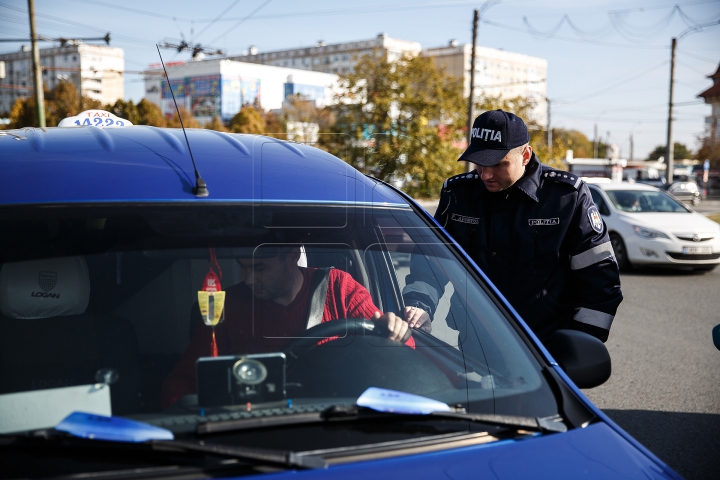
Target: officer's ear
x: 526, y: 154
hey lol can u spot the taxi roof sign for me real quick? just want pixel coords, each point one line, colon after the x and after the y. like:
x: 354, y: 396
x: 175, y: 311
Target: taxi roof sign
x: 95, y: 118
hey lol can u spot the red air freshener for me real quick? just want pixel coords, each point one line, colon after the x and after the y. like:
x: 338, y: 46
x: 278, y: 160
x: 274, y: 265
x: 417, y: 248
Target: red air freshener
x: 211, y: 299
x: 211, y: 282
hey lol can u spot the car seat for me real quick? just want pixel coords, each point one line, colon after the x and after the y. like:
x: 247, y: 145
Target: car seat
x: 49, y: 340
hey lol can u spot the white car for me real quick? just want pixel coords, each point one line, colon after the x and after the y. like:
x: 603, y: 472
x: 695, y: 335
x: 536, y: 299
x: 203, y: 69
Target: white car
x: 649, y: 227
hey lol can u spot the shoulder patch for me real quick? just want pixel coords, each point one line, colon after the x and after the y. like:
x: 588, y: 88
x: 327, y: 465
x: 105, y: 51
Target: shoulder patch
x: 595, y: 221
x: 560, y: 176
x: 461, y: 178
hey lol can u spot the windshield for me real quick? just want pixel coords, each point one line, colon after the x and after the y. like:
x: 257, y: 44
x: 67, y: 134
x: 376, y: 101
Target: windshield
x: 644, y: 201
x: 184, y: 314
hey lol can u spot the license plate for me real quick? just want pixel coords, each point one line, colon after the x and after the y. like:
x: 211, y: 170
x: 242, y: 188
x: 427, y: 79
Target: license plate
x: 696, y: 250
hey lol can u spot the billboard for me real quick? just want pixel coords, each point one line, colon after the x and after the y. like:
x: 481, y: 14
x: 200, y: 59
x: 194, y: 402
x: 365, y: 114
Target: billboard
x: 200, y: 95
x: 236, y: 92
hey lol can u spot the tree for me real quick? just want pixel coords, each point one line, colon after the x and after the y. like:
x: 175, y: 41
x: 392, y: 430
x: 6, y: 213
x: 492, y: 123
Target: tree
x: 710, y: 147
x: 188, y: 121
x: 303, y: 121
x: 125, y: 109
x: 247, y: 120
x: 63, y: 101
x: 144, y: 113
x: 274, y: 126
x: 60, y: 102
x: 680, y: 151
x: 400, y: 120
x: 150, y: 114
x: 216, y: 124
x: 23, y: 113
x: 576, y: 141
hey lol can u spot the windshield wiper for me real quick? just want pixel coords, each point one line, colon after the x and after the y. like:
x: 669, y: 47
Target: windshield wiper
x: 353, y: 413
x: 255, y: 455
x: 262, y: 456
x: 546, y: 424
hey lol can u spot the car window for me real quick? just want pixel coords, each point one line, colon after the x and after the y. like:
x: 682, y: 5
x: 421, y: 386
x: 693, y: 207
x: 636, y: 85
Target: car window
x: 110, y: 295
x: 599, y: 202
x: 644, y: 201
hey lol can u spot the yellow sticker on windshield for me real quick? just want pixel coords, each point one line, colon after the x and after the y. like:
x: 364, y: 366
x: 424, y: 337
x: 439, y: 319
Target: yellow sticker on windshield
x: 211, y: 306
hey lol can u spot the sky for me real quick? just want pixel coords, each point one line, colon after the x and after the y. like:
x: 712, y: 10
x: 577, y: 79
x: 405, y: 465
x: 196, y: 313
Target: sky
x: 608, y: 61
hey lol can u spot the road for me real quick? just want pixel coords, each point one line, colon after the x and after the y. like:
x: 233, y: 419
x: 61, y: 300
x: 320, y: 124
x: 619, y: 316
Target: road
x: 665, y: 386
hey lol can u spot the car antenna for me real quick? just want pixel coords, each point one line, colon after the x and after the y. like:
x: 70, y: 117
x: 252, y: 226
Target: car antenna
x: 200, y: 189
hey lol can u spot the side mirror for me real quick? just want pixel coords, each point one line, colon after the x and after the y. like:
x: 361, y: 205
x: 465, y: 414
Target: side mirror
x: 584, y: 358
x: 716, y: 336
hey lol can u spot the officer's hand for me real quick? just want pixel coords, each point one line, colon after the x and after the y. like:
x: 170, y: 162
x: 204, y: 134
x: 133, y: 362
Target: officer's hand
x: 418, y: 318
x: 399, y: 330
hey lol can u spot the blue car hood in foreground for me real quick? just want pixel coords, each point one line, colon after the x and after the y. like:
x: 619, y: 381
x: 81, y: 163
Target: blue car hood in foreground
x: 594, y: 452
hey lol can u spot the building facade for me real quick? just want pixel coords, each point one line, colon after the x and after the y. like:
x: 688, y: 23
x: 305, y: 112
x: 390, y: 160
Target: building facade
x: 220, y: 87
x: 96, y: 70
x: 337, y: 58
x: 497, y: 73
x: 711, y: 96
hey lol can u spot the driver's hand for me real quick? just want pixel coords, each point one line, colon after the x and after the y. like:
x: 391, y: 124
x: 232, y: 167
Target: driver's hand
x: 399, y: 330
x: 418, y: 318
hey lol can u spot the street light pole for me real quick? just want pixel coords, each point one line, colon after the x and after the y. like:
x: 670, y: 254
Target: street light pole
x: 471, y: 99
x: 549, y: 129
x: 37, y: 68
x: 595, y: 141
x: 632, y: 141
x: 670, y: 151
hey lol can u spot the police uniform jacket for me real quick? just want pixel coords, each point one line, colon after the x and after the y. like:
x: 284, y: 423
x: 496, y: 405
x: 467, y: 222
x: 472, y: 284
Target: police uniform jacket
x: 542, y: 243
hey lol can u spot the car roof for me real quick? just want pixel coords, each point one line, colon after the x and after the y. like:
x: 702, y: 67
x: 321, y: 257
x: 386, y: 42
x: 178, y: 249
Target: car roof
x: 149, y: 164
x: 624, y: 186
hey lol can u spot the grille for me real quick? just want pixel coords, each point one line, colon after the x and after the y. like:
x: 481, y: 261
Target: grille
x: 689, y: 238
x: 694, y: 256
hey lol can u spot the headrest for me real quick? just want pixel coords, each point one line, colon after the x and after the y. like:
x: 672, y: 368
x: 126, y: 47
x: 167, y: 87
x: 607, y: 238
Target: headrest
x: 52, y: 287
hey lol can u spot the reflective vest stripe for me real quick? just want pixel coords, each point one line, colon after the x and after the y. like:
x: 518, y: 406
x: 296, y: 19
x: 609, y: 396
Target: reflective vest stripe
x: 593, y: 317
x: 592, y: 256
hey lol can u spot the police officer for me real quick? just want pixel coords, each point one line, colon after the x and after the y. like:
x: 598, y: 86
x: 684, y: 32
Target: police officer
x: 532, y: 229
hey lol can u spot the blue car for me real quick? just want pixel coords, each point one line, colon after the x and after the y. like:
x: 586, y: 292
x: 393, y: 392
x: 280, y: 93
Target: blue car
x: 226, y: 305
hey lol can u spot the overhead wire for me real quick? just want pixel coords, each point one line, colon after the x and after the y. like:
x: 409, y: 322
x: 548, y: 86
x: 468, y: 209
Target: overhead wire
x: 617, y: 19
x: 78, y: 24
x: 627, y: 80
x: 575, y: 40
x: 214, y: 21
x: 680, y: 62
x: 617, y: 22
x: 243, y: 20
x: 684, y: 52
x: 125, y: 8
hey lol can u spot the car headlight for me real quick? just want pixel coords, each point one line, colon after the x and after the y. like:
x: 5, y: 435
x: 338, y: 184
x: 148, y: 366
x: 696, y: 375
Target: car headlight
x: 648, y: 233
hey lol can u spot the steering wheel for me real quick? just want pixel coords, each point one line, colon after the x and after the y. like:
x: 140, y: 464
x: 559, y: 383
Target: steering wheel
x: 360, y: 358
x: 343, y: 328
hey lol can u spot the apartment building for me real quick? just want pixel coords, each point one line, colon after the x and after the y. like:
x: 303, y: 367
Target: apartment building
x: 97, y: 70
x: 338, y: 58
x: 497, y: 73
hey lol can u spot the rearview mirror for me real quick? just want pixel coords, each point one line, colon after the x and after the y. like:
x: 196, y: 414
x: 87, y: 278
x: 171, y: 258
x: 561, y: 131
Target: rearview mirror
x: 583, y: 357
x: 716, y: 336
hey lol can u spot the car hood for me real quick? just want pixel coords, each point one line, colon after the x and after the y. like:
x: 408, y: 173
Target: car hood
x: 594, y: 452
x: 672, y: 222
